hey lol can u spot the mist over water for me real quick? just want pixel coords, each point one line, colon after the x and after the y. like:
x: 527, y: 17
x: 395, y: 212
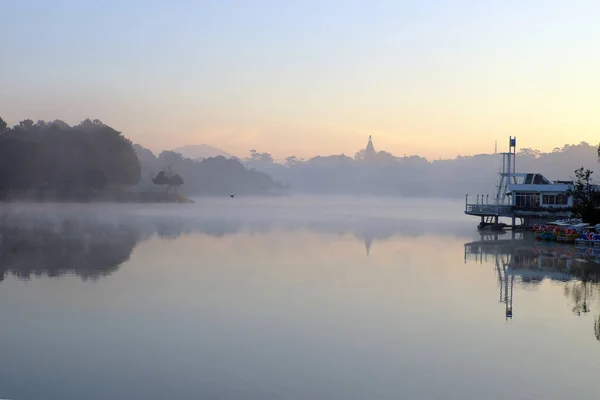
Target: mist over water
x: 289, y: 298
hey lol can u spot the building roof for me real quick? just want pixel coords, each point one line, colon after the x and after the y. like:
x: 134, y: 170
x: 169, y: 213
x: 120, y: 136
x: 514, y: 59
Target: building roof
x: 539, y: 188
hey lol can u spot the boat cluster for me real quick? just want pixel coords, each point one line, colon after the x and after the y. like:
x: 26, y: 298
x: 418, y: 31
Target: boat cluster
x: 571, y: 231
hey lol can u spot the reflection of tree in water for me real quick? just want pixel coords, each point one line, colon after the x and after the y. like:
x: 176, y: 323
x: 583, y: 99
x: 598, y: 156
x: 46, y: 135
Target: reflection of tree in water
x: 172, y: 228
x: 41, y: 244
x: 57, y: 241
x: 220, y: 228
x: 586, y: 287
x: 83, y: 248
x: 580, y: 293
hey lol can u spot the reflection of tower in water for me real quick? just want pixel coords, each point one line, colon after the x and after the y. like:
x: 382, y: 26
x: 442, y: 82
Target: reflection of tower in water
x: 506, y: 282
x: 530, y: 262
x: 519, y: 258
x: 531, y: 266
x: 501, y: 252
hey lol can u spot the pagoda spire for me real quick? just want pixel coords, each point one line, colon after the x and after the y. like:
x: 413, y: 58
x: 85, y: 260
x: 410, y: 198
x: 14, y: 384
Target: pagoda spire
x: 370, y: 150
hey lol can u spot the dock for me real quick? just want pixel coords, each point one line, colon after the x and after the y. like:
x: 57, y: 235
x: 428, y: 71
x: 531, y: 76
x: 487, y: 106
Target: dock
x: 588, y: 242
x: 527, y: 199
x: 520, y: 218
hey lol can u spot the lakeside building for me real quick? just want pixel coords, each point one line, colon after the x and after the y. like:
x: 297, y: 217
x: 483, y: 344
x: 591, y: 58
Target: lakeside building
x: 526, y: 198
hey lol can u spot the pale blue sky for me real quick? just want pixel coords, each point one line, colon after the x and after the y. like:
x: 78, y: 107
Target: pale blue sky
x: 309, y: 77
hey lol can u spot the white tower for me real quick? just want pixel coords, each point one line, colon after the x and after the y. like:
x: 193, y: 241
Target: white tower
x: 507, y: 176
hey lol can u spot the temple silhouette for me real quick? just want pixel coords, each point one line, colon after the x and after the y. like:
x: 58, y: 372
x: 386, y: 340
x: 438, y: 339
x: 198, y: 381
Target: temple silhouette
x: 370, y: 153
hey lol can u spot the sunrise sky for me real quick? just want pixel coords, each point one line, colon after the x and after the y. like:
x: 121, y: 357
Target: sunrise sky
x: 434, y: 78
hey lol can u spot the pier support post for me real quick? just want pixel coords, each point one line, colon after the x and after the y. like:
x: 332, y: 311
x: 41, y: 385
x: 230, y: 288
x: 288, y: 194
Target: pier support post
x: 514, y: 219
x: 496, y: 220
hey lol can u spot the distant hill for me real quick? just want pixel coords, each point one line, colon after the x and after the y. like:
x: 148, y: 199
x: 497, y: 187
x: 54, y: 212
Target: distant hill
x: 211, y: 176
x: 201, y: 151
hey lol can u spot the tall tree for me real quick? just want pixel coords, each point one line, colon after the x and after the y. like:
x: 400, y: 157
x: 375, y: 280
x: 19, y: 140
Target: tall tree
x: 293, y: 161
x: 260, y: 158
x: 162, y: 179
x: 586, y: 199
x: 176, y: 181
x: 3, y: 126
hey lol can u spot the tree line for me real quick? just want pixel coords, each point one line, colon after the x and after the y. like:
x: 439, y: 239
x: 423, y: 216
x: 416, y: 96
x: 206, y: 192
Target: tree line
x: 84, y: 161
x: 415, y: 176
x: 40, y: 156
x: 210, y: 176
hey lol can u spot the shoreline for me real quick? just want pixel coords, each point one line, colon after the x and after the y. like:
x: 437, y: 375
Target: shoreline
x: 97, y: 198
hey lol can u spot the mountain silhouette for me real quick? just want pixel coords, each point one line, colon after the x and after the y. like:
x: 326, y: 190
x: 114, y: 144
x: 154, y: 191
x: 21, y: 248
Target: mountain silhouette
x: 201, y: 151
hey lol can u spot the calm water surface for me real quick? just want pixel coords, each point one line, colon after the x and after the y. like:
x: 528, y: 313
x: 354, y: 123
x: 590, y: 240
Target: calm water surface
x: 289, y: 298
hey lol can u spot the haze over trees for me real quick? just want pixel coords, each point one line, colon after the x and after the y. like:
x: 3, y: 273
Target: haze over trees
x: 211, y: 176
x: 77, y: 162
x: 52, y: 160
x: 201, y: 151
x: 375, y: 172
x: 41, y: 157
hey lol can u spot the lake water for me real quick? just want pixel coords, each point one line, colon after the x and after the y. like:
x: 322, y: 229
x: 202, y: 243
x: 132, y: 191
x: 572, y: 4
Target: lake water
x: 289, y: 298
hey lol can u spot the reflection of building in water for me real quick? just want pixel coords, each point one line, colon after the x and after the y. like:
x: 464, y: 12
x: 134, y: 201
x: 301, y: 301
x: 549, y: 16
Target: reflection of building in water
x: 368, y: 243
x: 526, y: 260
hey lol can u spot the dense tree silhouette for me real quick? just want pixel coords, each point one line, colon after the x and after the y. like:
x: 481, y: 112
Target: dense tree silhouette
x: 68, y: 160
x: 115, y: 154
x: 162, y: 179
x: 3, y: 126
x: 257, y: 158
x: 52, y: 160
x: 95, y: 178
x: 585, y: 195
x: 168, y: 180
x: 176, y: 181
x: 293, y: 161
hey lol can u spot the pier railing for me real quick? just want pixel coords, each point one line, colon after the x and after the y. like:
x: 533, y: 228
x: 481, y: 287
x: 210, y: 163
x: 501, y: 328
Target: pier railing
x: 489, y: 209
